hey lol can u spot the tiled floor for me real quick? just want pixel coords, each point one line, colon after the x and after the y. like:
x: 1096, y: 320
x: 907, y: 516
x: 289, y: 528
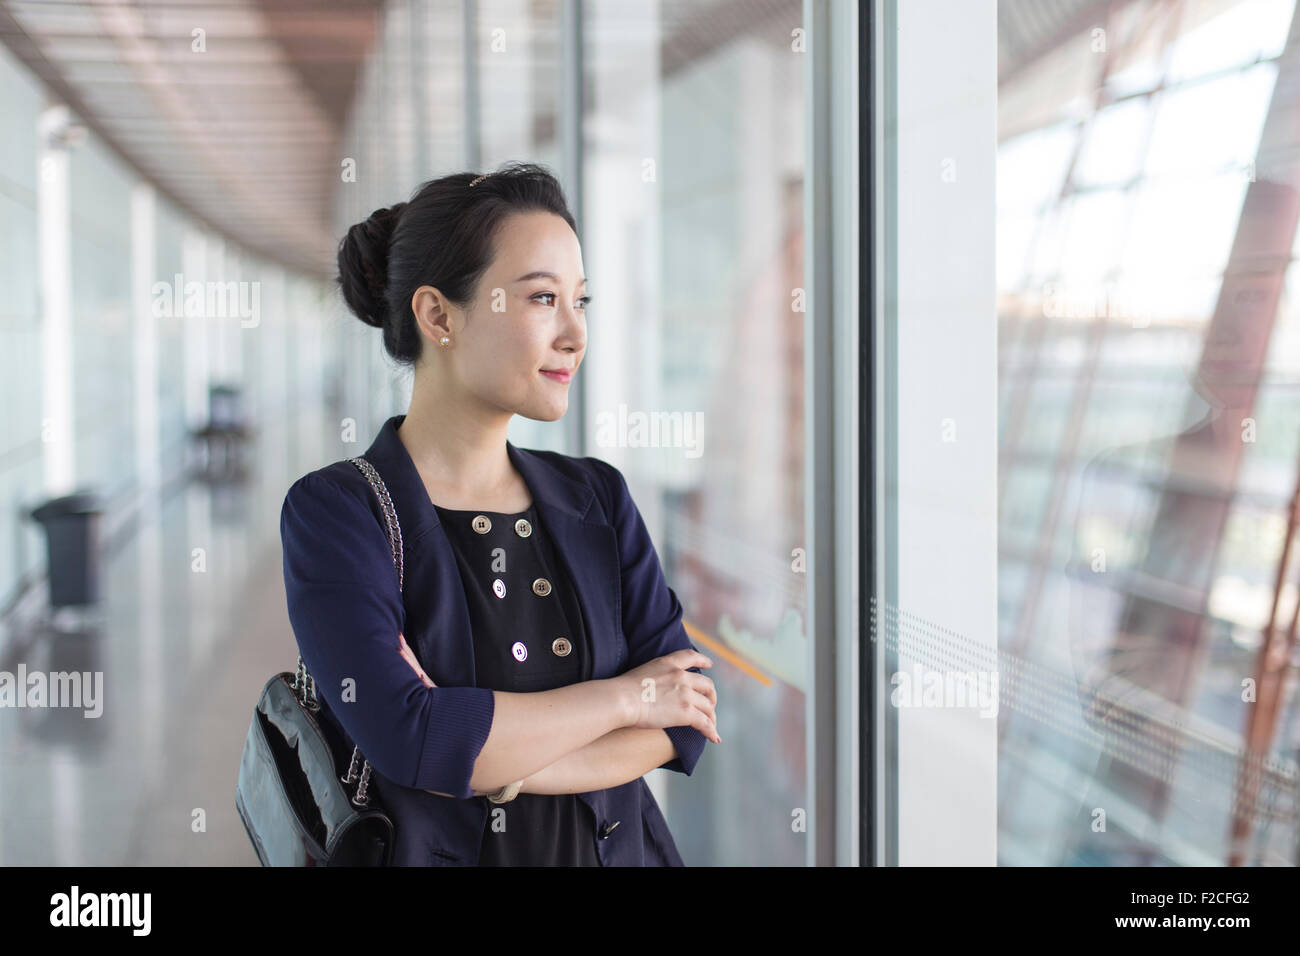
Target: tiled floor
x: 193, y: 624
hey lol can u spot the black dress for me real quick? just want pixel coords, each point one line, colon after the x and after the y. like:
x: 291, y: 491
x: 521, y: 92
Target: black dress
x: 529, y: 635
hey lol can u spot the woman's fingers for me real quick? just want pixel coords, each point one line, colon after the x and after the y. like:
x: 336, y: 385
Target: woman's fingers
x: 712, y: 710
x: 704, y: 708
x: 409, y: 656
x: 705, y: 686
x: 702, y: 695
x: 707, y: 724
x: 688, y: 657
x: 698, y: 699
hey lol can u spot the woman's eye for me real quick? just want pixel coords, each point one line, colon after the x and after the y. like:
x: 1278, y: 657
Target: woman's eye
x: 582, y: 303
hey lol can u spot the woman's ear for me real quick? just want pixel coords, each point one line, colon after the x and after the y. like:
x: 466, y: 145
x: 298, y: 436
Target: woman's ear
x: 432, y: 312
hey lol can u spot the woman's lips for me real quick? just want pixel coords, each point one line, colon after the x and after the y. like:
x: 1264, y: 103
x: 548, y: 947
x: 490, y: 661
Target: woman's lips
x: 558, y: 376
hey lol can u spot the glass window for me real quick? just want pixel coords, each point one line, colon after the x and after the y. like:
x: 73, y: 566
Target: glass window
x: 1147, y: 432
x: 1139, y: 563
x: 694, y: 179
x: 1112, y: 148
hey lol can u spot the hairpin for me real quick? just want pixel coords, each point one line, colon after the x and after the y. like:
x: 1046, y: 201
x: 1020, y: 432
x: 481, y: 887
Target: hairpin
x: 479, y: 179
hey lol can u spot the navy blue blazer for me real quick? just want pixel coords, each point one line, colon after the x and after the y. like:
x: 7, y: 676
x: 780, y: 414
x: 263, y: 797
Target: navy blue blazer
x: 346, y: 611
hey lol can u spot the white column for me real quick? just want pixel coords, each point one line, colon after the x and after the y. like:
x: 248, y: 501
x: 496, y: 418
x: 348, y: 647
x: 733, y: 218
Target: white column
x: 947, y: 374
x: 54, y: 239
x: 215, y: 276
x: 193, y: 270
x: 148, y: 466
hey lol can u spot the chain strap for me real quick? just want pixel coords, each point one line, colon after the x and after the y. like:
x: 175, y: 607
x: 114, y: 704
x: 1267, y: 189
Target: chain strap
x: 390, y: 513
x: 304, y: 685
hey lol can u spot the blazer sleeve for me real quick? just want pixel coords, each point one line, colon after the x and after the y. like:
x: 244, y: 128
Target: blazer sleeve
x: 652, y: 613
x: 346, y: 610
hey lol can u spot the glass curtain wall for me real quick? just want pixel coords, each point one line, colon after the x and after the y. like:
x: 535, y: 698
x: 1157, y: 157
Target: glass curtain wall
x: 1147, y: 424
x: 1149, y: 432
x: 693, y: 137
x: 690, y: 193
x: 688, y: 182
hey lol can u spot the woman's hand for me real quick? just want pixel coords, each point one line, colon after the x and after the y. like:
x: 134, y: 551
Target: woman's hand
x: 408, y: 655
x: 668, y: 695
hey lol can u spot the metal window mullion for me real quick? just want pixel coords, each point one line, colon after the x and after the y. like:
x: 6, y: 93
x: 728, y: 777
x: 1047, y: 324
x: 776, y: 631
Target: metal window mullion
x: 831, y: 423
x: 571, y: 115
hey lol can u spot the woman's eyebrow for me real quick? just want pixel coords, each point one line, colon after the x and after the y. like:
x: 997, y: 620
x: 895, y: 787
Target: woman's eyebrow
x: 545, y: 275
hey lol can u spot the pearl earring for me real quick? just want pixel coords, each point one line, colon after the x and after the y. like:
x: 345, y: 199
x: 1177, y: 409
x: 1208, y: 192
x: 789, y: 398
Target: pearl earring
x: 444, y: 341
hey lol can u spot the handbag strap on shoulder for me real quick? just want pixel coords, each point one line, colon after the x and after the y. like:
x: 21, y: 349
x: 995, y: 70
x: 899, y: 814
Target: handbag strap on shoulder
x: 304, y: 685
x: 390, y: 513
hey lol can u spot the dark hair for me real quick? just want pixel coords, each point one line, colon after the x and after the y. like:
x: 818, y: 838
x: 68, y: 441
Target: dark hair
x: 443, y: 236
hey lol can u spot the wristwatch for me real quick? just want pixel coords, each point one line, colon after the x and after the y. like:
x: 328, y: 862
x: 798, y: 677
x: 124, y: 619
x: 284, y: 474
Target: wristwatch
x: 506, y: 793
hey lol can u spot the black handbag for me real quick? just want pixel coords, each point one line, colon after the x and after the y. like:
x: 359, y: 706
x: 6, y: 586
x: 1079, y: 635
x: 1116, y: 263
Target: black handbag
x: 294, y: 803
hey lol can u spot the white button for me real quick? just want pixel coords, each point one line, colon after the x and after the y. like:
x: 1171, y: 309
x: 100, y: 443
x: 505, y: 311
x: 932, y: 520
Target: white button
x: 482, y: 524
x: 542, y: 587
x: 561, y: 647
x: 520, y: 652
x: 499, y: 588
x: 523, y: 528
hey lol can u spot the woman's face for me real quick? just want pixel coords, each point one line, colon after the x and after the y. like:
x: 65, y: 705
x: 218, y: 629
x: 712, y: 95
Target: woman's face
x: 527, y: 317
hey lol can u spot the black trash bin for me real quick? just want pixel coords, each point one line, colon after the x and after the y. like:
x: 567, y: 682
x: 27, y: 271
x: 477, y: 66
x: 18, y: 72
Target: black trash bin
x: 72, y: 532
x: 225, y: 407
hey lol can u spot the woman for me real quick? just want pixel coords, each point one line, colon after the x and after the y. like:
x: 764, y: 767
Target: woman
x: 533, y: 667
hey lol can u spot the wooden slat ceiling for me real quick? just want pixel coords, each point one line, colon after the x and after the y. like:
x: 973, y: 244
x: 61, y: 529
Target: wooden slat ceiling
x: 246, y: 135
x: 243, y: 135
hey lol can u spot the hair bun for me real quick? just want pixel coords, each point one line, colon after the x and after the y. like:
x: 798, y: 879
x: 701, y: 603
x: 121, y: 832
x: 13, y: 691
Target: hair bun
x: 363, y: 265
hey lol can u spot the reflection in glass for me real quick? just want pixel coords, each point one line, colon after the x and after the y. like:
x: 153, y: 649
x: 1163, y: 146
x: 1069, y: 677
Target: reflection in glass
x: 1149, y: 452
